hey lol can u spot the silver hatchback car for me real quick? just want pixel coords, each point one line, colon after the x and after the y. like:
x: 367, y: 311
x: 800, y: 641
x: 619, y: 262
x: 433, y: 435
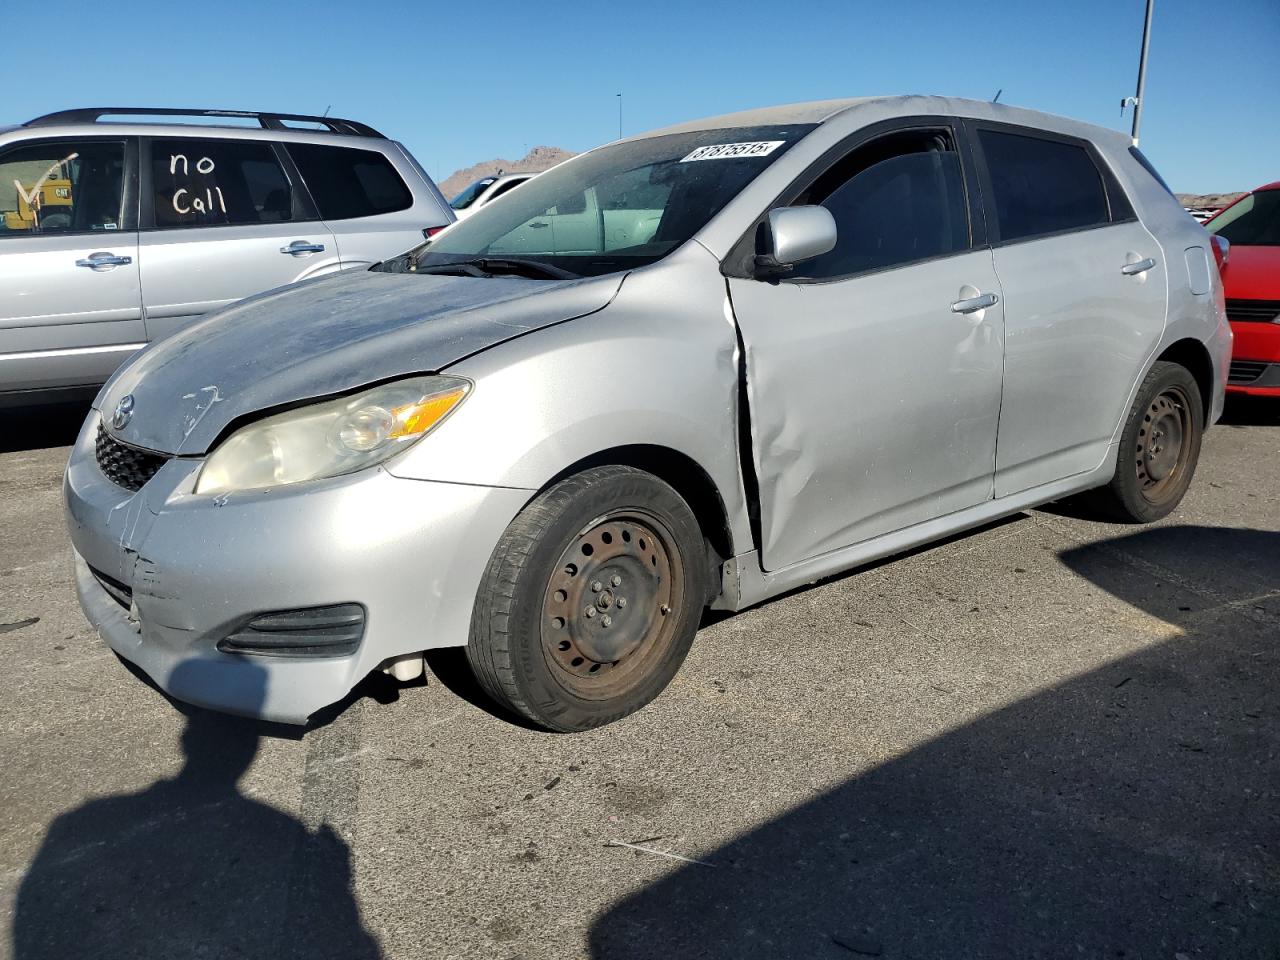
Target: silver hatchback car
x: 119, y: 226
x: 787, y: 342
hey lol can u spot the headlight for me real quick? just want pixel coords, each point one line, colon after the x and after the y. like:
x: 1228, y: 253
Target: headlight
x: 331, y: 438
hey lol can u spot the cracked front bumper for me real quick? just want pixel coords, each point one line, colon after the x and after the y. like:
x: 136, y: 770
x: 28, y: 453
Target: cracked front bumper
x: 163, y: 574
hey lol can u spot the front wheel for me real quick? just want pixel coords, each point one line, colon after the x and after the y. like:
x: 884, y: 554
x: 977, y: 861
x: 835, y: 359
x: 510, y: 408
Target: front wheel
x: 590, y: 601
x: 1159, y: 448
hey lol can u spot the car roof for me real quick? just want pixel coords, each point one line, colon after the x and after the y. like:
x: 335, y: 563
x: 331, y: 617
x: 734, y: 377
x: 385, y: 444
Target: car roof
x: 1268, y: 186
x: 822, y: 111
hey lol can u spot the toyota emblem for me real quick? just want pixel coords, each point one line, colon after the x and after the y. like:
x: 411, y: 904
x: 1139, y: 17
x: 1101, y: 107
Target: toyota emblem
x: 124, y: 413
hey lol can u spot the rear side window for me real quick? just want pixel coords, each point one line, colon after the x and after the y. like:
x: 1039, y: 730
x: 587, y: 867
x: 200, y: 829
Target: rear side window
x: 1040, y: 186
x: 347, y: 183
x: 896, y: 200
x: 202, y: 183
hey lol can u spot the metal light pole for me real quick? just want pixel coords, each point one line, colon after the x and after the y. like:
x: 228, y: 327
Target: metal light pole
x: 619, y: 116
x: 1136, y: 99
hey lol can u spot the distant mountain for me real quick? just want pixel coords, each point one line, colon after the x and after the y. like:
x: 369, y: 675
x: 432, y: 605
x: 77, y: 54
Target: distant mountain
x: 1208, y: 201
x: 535, y: 161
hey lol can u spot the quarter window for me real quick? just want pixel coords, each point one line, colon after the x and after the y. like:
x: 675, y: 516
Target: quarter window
x: 1041, y: 186
x: 896, y: 200
x: 347, y: 183
x: 66, y: 187
x: 202, y: 183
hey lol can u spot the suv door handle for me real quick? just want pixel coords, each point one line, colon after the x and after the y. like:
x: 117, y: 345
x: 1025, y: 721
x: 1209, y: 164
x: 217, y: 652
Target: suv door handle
x: 300, y: 247
x: 539, y: 225
x: 1137, y: 267
x: 974, y: 304
x: 104, y: 261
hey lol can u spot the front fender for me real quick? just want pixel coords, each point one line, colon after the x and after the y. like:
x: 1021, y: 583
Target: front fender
x: 657, y: 367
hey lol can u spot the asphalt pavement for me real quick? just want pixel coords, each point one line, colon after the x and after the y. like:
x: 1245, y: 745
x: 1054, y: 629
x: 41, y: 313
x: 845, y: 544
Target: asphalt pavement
x: 1050, y: 738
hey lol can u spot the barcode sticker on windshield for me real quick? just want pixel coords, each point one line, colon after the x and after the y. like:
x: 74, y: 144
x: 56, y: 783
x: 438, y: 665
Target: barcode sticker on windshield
x: 725, y: 151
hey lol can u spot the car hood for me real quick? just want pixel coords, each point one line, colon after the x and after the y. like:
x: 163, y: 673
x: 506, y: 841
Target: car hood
x: 1253, y: 273
x: 324, y: 337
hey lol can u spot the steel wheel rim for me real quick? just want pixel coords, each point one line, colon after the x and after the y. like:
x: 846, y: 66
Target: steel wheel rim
x: 1163, y: 447
x: 609, y: 608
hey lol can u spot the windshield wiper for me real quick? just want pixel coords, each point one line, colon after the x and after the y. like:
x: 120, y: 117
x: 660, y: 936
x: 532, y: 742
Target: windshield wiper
x: 491, y: 266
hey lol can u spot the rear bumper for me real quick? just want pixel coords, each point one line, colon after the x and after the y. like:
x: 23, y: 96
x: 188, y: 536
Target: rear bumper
x: 1255, y: 359
x: 184, y: 571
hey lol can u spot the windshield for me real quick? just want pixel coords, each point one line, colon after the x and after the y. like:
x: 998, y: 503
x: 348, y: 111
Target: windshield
x: 1253, y: 221
x: 468, y: 196
x: 619, y: 207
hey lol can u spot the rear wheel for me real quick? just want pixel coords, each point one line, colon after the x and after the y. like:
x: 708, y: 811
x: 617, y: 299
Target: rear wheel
x: 590, y: 601
x: 1159, y: 448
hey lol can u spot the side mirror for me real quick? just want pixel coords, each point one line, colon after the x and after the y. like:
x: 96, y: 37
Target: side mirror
x: 792, y: 235
x: 1221, y: 251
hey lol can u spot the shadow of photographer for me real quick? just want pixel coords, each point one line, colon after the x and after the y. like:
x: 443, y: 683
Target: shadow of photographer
x: 191, y: 867
x: 1127, y: 812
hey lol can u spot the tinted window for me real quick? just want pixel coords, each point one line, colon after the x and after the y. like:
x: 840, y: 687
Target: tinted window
x: 896, y: 200
x: 1041, y: 186
x: 503, y: 188
x: 348, y: 183
x: 63, y: 187
x: 201, y: 183
x: 1252, y: 221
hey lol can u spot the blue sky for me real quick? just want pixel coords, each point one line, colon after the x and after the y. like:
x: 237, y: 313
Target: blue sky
x: 460, y: 83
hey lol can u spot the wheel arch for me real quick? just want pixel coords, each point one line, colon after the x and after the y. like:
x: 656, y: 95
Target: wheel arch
x: 685, y: 475
x: 1193, y: 355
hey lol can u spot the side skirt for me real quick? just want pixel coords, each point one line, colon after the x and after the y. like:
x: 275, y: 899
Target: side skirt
x: 745, y: 583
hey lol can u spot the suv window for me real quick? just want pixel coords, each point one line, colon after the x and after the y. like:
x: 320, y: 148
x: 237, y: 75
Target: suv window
x: 896, y: 200
x: 66, y: 187
x: 201, y: 183
x: 1041, y: 186
x: 503, y: 188
x: 347, y: 183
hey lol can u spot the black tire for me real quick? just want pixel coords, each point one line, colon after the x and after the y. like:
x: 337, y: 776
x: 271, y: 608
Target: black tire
x: 554, y: 635
x: 1159, y: 449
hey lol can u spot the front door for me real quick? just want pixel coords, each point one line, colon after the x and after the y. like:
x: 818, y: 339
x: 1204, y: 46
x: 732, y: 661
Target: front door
x: 71, y: 309
x: 873, y: 373
x: 224, y: 223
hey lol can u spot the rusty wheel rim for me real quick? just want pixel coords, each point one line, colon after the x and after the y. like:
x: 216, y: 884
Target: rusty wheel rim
x: 1164, y: 444
x: 609, y: 610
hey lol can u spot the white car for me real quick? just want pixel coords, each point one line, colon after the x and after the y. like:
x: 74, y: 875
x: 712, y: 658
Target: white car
x: 485, y: 190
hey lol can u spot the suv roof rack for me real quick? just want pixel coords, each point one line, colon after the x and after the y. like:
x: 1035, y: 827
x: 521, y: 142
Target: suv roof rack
x: 268, y: 121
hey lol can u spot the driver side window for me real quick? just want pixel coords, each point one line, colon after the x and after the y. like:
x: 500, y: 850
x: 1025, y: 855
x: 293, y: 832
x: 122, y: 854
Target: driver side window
x: 896, y: 200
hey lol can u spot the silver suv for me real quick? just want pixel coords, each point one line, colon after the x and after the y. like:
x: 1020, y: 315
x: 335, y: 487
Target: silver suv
x: 116, y: 234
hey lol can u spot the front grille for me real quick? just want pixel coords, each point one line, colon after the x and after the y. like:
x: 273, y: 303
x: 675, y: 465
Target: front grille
x: 1245, y: 371
x: 120, y: 592
x: 122, y: 464
x: 1253, y: 311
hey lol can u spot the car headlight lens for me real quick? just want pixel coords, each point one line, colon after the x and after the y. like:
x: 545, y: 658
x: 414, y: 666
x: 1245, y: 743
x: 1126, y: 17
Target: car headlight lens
x: 332, y: 438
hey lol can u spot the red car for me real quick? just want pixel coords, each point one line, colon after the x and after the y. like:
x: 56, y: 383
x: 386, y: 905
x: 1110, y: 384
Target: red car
x: 1252, y: 279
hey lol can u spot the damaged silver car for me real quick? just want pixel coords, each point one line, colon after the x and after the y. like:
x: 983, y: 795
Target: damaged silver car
x: 698, y: 367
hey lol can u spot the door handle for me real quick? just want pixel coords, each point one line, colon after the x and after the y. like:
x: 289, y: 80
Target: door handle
x: 974, y: 304
x: 539, y: 225
x: 1137, y: 267
x: 104, y: 261
x: 299, y: 247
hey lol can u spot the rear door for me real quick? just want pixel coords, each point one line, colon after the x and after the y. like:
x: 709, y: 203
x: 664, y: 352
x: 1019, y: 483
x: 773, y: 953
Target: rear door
x: 1085, y: 296
x: 222, y: 220
x: 71, y: 309
x: 873, y: 371
x: 365, y: 202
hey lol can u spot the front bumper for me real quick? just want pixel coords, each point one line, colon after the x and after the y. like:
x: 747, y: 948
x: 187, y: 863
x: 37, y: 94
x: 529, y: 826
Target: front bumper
x: 194, y: 568
x: 1255, y: 359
